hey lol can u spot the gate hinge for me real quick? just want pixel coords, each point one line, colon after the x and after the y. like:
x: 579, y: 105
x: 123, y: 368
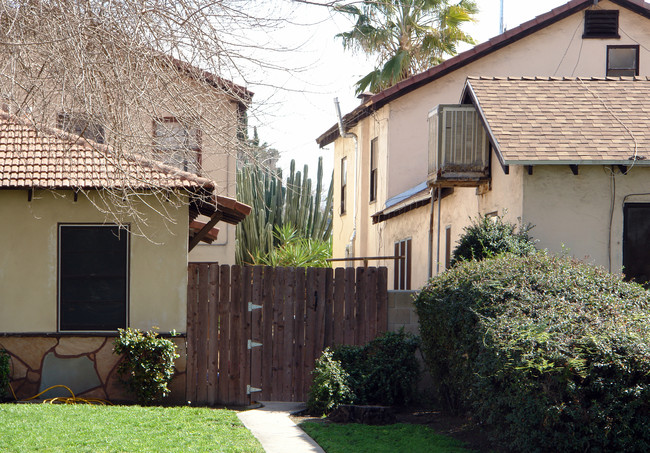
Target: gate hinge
x: 252, y: 306
x: 253, y: 344
x: 250, y: 389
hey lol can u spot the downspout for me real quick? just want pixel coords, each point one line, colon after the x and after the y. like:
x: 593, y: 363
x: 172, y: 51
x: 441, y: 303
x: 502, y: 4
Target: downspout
x: 438, y: 251
x: 430, y: 254
x: 350, y: 247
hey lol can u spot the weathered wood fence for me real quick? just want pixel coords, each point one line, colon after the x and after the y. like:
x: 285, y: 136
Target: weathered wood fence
x: 253, y: 333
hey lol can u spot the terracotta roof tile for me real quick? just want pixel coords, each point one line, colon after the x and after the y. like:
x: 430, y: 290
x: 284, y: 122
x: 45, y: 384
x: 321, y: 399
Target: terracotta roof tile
x: 47, y: 158
x: 568, y: 120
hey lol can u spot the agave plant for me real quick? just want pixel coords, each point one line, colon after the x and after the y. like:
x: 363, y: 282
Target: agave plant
x: 294, y: 250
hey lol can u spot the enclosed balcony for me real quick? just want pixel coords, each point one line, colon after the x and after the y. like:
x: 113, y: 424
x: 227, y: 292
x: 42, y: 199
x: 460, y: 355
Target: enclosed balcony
x: 458, y: 146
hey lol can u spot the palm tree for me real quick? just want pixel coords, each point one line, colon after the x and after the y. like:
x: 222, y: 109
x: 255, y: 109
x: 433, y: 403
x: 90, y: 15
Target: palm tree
x: 408, y: 36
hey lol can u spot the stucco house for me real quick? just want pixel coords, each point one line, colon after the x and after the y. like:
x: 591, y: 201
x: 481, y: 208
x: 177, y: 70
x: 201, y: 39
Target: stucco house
x: 385, y: 189
x: 91, y: 242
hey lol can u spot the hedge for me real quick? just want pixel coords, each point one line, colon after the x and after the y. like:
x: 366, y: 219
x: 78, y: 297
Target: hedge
x: 546, y: 351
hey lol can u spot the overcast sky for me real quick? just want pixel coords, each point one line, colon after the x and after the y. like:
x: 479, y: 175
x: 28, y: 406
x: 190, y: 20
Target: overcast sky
x: 294, y: 107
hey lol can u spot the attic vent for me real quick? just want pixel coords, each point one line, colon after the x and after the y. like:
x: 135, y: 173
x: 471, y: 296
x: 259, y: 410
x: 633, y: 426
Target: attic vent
x: 601, y: 23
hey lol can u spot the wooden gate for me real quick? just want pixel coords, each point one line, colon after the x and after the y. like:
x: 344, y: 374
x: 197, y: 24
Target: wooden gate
x: 253, y: 333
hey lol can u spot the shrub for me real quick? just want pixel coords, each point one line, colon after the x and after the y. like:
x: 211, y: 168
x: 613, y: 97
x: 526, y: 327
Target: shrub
x: 385, y: 371
x: 5, y: 373
x: 147, y: 367
x: 488, y: 237
x: 546, y: 350
x: 330, y: 388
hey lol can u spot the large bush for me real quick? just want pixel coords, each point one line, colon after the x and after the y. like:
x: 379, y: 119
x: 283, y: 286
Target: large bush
x: 551, y: 353
x: 385, y: 371
x: 488, y: 237
x: 147, y: 367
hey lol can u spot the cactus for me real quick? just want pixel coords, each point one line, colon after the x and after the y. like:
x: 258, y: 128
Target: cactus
x: 275, y: 205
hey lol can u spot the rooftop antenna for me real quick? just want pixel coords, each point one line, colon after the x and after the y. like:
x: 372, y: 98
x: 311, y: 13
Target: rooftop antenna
x: 501, y: 27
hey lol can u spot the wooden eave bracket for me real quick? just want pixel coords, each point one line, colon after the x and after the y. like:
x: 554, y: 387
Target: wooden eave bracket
x: 206, y: 228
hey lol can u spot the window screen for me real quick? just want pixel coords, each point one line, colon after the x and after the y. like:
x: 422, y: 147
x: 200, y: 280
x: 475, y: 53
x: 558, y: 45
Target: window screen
x: 93, y: 277
x: 636, y: 242
x: 622, y: 61
x: 178, y: 144
x: 86, y: 126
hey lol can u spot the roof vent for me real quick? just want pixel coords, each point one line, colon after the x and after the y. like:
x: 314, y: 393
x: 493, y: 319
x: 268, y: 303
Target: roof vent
x: 601, y: 23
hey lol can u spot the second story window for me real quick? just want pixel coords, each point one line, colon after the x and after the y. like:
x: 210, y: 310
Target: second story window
x: 81, y: 124
x: 622, y: 61
x: 178, y: 144
x: 373, y: 170
x: 344, y: 182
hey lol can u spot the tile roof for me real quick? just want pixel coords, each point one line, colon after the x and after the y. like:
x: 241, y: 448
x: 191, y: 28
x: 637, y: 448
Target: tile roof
x: 565, y: 120
x: 48, y: 158
x: 375, y: 102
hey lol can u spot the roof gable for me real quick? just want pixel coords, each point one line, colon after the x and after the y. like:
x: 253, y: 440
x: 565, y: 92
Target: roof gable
x: 416, y: 81
x: 565, y: 120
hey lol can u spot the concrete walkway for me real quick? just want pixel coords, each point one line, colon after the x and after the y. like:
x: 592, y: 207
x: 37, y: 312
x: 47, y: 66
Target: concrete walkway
x: 274, y: 429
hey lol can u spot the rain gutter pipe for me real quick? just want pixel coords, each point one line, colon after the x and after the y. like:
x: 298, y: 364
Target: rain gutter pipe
x: 344, y: 134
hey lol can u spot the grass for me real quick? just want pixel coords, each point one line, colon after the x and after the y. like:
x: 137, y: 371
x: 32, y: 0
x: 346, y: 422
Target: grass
x: 84, y: 428
x: 403, y: 438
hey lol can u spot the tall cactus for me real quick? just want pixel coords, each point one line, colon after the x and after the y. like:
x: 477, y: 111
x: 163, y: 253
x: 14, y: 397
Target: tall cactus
x: 275, y: 205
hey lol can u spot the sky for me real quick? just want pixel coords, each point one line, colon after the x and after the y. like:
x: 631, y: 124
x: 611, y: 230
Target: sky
x: 293, y: 107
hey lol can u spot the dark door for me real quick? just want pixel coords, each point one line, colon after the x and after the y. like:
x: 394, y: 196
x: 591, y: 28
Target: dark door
x: 636, y: 242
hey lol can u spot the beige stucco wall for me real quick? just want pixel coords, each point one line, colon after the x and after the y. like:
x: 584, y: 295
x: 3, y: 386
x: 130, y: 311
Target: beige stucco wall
x: 574, y: 210
x: 557, y: 50
x: 28, y: 262
x: 539, y: 54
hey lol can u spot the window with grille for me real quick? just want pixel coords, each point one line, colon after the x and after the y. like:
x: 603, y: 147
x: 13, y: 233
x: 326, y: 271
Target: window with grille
x: 373, y: 170
x: 344, y: 183
x: 402, y: 274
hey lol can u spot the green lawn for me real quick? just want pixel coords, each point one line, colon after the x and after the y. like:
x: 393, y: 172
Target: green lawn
x: 403, y: 438
x: 84, y: 428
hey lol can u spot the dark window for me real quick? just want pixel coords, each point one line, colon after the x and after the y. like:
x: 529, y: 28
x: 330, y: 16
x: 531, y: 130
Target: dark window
x: 344, y: 182
x: 622, y: 61
x: 601, y: 23
x: 93, y: 277
x: 178, y: 144
x: 81, y: 124
x: 402, y: 274
x: 636, y: 242
x: 373, y: 169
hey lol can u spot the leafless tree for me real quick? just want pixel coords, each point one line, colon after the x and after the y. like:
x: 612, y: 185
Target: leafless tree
x: 147, y: 77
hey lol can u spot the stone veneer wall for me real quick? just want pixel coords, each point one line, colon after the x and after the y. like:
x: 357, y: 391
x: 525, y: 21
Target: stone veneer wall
x: 85, y: 364
x: 401, y: 312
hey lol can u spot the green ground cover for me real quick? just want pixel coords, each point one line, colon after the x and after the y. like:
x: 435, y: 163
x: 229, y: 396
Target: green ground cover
x: 400, y: 437
x: 84, y: 428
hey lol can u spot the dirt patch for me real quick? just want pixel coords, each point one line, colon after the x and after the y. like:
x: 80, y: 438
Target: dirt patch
x: 460, y: 428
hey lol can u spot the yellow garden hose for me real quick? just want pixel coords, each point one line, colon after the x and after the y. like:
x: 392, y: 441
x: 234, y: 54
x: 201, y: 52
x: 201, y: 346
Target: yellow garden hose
x: 63, y: 399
